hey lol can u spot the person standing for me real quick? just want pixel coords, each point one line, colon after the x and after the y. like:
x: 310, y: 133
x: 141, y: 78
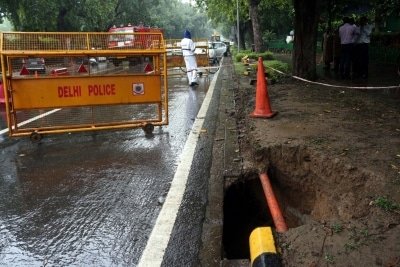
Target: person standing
x: 347, y: 33
x: 362, y: 42
x: 188, y: 48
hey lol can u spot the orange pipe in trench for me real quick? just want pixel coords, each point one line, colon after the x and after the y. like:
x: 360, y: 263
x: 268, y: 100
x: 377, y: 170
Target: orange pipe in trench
x: 273, y: 205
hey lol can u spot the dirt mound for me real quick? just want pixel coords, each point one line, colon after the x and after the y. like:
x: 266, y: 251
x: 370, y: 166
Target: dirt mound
x: 334, y: 158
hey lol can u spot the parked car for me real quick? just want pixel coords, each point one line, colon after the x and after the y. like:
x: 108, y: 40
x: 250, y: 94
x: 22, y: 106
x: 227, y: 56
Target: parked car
x: 216, y: 50
x: 101, y: 59
x: 33, y: 64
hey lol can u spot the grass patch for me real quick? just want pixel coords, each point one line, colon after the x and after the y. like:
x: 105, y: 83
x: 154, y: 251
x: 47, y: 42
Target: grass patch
x: 386, y: 204
x: 239, y: 67
x: 268, y: 55
x: 337, y: 228
x: 329, y: 259
x: 268, y: 60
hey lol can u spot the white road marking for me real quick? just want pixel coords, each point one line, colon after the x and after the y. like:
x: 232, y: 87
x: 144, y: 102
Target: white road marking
x: 154, y: 252
x: 32, y: 119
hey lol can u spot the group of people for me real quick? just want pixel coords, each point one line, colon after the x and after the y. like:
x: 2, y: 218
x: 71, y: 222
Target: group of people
x: 348, y: 48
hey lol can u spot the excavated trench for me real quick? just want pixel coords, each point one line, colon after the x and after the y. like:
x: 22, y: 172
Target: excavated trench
x: 308, y: 186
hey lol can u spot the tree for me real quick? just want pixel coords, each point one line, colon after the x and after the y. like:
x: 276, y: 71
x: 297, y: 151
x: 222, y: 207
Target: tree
x: 255, y: 21
x: 174, y: 17
x: 277, y: 16
x: 67, y: 15
x: 224, y: 12
x: 100, y: 15
x: 305, y: 40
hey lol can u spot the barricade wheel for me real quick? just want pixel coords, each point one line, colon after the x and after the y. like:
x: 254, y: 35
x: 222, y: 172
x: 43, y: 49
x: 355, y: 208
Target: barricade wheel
x: 35, y: 137
x: 148, y: 128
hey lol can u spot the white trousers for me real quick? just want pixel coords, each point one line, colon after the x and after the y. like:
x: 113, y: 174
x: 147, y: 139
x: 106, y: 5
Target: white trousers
x: 191, y: 68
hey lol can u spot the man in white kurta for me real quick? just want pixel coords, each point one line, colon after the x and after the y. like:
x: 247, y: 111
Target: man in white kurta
x: 188, y: 48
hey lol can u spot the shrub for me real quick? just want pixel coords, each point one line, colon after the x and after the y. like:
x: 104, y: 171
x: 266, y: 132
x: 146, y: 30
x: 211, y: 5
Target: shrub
x: 268, y: 55
x: 273, y: 75
x: 241, y: 54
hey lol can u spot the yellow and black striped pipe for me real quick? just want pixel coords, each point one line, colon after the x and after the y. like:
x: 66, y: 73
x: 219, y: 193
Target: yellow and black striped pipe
x: 262, y: 248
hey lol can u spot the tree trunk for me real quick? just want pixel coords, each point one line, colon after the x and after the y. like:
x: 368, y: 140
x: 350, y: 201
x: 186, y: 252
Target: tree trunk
x: 253, y: 10
x: 242, y: 32
x: 61, y: 23
x: 305, y: 38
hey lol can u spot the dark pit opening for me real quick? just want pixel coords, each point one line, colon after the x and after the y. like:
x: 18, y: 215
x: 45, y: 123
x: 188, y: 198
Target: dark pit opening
x: 309, y: 188
x: 245, y: 209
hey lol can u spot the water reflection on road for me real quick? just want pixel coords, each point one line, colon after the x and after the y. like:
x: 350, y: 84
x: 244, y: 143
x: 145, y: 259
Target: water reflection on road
x: 89, y: 199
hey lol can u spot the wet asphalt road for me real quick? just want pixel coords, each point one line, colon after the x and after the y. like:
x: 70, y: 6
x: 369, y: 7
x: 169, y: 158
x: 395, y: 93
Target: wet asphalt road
x: 91, y: 199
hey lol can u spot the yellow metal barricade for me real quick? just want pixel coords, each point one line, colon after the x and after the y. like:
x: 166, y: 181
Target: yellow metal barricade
x: 69, y: 82
x: 175, y: 61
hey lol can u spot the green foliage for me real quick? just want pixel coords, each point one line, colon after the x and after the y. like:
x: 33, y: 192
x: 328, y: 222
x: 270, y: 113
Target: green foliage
x: 350, y: 246
x: 272, y: 65
x: 268, y: 61
x: 386, y: 204
x: 239, y: 67
x: 337, y: 228
x: 241, y: 54
x: 268, y: 35
x: 99, y: 15
x: 329, y: 259
x: 268, y: 55
x: 276, y: 18
x: 174, y: 17
x: 273, y: 69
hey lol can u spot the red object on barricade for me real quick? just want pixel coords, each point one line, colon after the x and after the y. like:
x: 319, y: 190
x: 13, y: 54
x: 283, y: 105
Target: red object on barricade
x: 82, y: 69
x: 2, y: 97
x: 59, y: 72
x: 148, y: 68
x: 24, y: 71
x: 263, y: 107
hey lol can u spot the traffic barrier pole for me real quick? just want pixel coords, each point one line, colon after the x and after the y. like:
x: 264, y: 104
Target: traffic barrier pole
x: 263, y: 107
x: 262, y: 248
x: 273, y: 205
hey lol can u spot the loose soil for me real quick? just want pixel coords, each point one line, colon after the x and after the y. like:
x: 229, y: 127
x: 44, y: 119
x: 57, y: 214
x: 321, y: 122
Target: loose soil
x: 333, y: 155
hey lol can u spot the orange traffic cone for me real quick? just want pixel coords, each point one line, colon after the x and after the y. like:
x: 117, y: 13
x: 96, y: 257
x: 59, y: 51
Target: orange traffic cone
x: 263, y: 108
